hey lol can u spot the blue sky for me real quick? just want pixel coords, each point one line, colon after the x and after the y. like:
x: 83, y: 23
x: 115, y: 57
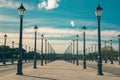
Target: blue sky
x: 54, y: 17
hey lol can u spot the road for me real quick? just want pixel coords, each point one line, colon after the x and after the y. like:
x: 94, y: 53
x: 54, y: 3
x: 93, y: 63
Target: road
x: 7, y: 69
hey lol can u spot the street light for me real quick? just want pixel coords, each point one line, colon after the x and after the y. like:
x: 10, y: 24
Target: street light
x: 42, y: 36
x: 35, y: 29
x: 73, y: 51
x: 48, y: 56
x: 21, y: 11
x: 119, y: 48
x: 111, y: 58
x: 84, y: 54
x: 45, y: 51
x: 77, y: 63
x: 71, y: 55
x: 4, y: 55
x: 12, y: 61
x: 105, y: 53
x: 98, y: 12
x: 5, y: 37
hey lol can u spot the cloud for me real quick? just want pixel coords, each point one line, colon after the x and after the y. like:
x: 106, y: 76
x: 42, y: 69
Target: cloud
x: 72, y: 23
x: 13, y: 5
x: 56, y: 37
x: 48, y: 4
x: 5, y: 18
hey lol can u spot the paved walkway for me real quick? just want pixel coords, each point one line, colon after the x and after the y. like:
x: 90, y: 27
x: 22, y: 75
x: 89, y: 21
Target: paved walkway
x: 59, y: 70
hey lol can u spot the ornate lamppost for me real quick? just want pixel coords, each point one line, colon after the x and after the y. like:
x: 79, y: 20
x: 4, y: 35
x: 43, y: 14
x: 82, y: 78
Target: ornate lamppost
x: 21, y: 11
x: 35, y: 65
x: 98, y: 12
x: 4, y: 55
x: 77, y: 62
x: 42, y: 36
x: 84, y: 53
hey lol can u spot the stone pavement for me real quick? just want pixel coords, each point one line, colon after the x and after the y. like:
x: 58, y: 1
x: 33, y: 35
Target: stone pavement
x: 59, y: 70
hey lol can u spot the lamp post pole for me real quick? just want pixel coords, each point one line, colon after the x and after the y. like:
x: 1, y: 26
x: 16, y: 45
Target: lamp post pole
x: 71, y: 56
x: 4, y: 55
x: 105, y: 53
x: 119, y: 48
x: 77, y: 62
x: 98, y: 12
x: 84, y: 53
x: 26, y: 53
x: 45, y: 51
x: 48, y: 56
x: 35, y: 62
x: 111, y: 58
x: 73, y: 51
x: 21, y: 10
x: 42, y: 49
x: 12, y: 61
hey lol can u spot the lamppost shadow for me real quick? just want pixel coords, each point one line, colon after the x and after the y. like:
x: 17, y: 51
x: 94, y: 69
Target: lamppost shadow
x: 45, y: 78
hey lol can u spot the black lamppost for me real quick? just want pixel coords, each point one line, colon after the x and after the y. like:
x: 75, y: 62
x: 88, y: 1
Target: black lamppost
x: 4, y: 55
x: 42, y: 49
x: 45, y: 51
x: 84, y: 54
x: 29, y: 52
x: 35, y: 29
x: 73, y: 51
x: 5, y: 37
x: 12, y: 61
x: 48, y: 57
x: 98, y: 12
x: 119, y: 48
x: 105, y: 53
x: 111, y: 58
x: 21, y: 11
x: 77, y: 63
x: 71, y: 56
x: 26, y: 56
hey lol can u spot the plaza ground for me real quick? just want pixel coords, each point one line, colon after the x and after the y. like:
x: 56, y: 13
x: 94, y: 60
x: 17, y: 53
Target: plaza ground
x: 59, y: 70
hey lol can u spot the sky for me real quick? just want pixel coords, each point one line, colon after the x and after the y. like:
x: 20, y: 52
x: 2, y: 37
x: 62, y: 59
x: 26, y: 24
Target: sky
x: 59, y: 21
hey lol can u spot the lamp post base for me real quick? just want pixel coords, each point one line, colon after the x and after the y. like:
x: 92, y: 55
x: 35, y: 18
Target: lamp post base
x: 19, y: 73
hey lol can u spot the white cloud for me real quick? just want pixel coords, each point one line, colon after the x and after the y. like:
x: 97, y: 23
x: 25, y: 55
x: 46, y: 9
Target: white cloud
x: 5, y: 18
x: 53, y: 32
x: 59, y: 45
x: 48, y: 4
x: 13, y: 5
x: 72, y: 23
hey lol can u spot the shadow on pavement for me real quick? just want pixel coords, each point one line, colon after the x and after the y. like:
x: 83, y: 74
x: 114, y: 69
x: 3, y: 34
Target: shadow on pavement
x: 44, y: 78
x: 54, y: 68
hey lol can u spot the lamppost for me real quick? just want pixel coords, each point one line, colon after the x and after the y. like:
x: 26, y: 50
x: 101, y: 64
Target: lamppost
x: 98, y: 12
x: 26, y: 57
x: 84, y: 54
x: 73, y: 51
x: 45, y: 51
x: 111, y: 58
x: 35, y: 29
x: 4, y: 55
x: 12, y: 61
x: 71, y: 56
x: 119, y: 48
x: 42, y: 49
x: 21, y: 11
x: 48, y: 56
x: 5, y: 37
x: 29, y: 52
x: 105, y: 53
x: 77, y: 63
